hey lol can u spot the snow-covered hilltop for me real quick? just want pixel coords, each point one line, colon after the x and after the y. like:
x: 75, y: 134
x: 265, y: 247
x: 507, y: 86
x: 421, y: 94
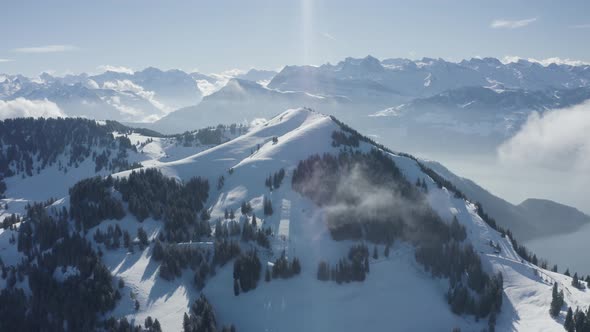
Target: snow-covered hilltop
x: 287, y: 228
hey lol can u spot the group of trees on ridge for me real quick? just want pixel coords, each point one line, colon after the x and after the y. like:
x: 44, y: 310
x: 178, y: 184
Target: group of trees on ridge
x: 149, y: 194
x: 28, y: 145
x: 210, y: 135
x: 352, y: 268
x: 326, y: 180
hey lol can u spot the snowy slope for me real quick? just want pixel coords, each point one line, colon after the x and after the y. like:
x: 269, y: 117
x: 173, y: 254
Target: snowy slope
x: 397, y: 292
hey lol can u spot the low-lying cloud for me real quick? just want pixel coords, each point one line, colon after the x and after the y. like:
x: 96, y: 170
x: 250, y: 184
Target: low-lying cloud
x: 546, y: 62
x: 220, y: 80
x: 116, y: 69
x: 558, y: 139
x: 21, y: 107
x: 128, y: 86
x: 511, y: 24
x: 46, y: 49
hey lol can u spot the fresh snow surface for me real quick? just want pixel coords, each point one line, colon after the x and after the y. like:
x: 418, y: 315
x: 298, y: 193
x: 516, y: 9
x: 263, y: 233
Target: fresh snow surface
x: 397, y: 292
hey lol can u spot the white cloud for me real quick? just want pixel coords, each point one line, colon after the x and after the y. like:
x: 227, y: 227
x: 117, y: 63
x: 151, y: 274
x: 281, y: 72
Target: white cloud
x: 128, y: 86
x: 208, y: 88
x: 230, y: 73
x: 5, y: 60
x: 558, y: 139
x: 46, y: 49
x: 328, y: 36
x: 21, y: 107
x: 258, y: 122
x: 546, y: 62
x: 221, y: 80
x: 511, y: 24
x: 116, y: 69
x: 580, y: 26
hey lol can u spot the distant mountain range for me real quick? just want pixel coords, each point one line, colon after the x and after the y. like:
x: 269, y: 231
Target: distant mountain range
x: 399, y: 78
x: 141, y: 96
x: 371, y: 85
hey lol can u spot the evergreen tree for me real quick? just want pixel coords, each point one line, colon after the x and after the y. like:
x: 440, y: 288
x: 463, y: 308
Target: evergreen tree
x: 580, y: 320
x: 569, y: 321
x: 267, y: 275
x: 156, y: 327
x: 126, y: 239
x: 267, y: 206
x: 375, y: 253
x: 556, y: 301
x: 295, y: 266
x: 323, y: 271
x: 143, y: 238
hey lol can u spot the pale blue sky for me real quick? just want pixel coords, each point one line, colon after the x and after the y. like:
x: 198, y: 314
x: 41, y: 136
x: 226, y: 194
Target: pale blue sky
x: 213, y: 36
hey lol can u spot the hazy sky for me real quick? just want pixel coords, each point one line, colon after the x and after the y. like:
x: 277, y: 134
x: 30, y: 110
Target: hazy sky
x: 211, y: 36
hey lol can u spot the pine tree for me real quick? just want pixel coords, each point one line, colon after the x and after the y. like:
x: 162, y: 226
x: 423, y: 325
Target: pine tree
x: 575, y: 281
x: 556, y: 301
x: 580, y: 320
x: 148, y: 322
x: 295, y: 266
x: 386, y: 251
x: 126, y: 239
x: 375, y: 253
x: 267, y: 275
x: 567, y: 272
x: 254, y: 223
x: 569, y: 321
x: 136, y: 305
x: 156, y: 326
x: 142, y: 236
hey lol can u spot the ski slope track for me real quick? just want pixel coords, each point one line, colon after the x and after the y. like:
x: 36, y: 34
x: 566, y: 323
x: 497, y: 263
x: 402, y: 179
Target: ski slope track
x: 397, y: 292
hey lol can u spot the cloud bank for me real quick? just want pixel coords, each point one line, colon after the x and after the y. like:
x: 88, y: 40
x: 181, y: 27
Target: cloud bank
x: 21, y: 107
x: 558, y: 140
x: 546, y: 62
x: 511, y: 24
x: 116, y: 69
x: 46, y: 49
